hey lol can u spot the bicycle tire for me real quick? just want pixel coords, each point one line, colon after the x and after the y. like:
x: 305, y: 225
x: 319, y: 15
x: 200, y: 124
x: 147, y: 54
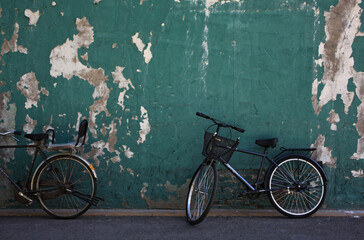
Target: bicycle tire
x: 65, y: 186
x: 200, y: 188
x: 300, y: 199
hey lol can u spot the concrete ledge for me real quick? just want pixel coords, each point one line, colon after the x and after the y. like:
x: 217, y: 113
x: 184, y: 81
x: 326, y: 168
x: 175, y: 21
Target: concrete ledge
x: 180, y: 213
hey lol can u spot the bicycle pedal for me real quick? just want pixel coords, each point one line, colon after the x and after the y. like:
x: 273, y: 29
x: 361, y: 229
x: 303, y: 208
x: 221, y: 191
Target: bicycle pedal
x: 30, y: 201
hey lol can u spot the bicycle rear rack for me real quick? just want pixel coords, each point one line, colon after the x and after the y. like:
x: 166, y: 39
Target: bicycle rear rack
x: 300, y: 151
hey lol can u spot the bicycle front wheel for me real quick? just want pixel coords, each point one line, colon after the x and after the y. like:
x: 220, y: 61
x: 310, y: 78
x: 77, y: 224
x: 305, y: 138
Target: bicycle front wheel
x: 65, y: 186
x: 201, y: 193
x: 297, y: 186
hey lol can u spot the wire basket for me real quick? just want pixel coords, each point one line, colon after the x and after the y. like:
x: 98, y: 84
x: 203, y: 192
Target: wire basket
x: 216, y: 147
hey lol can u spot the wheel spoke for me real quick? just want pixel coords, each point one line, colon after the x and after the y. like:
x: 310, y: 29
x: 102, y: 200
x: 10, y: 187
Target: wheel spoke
x: 66, y: 187
x: 305, y: 195
x: 201, y: 193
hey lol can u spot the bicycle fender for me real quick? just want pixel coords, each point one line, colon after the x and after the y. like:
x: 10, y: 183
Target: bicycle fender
x: 60, y: 155
x: 319, y: 167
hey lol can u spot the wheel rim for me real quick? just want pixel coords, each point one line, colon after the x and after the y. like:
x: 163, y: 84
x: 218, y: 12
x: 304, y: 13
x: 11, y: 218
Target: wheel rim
x: 66, y: 187
x: 301, y: 196
x: 200, y: 192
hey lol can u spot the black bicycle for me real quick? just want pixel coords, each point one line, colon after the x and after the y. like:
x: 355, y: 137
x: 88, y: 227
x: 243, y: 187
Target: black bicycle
x: 64, y: 183
x: 295, y: 183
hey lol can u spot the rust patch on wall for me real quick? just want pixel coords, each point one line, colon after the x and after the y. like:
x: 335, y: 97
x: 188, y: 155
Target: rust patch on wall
x: 359, y: 82
x: 28, y: 85
x: 323, y: 153
x: 342, y: 27
x: 12, y: 44
x: 30, y: 125
x: 342, y: 24
x: 65, y: 62
x: 333, y: 119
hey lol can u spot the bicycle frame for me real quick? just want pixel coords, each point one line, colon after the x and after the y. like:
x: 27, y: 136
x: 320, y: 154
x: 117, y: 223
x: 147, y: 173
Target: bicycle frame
x: 28, y: 179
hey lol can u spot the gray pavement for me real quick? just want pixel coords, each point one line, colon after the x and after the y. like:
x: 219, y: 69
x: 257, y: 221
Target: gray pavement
x: 158, y: 227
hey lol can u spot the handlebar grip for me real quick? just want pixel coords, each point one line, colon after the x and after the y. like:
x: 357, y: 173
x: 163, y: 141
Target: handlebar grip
x: 17, y: 133
x: 202, y: 115
x: 239, y: 129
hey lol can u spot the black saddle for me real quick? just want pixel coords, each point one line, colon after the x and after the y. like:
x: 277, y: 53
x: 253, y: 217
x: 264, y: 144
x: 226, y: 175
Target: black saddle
x: 36, y: 137
x: 267, y: 142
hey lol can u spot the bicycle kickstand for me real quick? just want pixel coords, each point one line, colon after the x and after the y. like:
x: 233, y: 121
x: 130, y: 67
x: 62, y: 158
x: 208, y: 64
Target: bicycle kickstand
x: 30, y: 201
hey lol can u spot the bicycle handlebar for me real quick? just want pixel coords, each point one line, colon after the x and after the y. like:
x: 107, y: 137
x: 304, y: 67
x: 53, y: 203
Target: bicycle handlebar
x: 11, y: 132
x: 220, y: 123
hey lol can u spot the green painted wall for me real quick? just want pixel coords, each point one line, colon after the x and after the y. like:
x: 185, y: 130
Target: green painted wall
x: 139, y: 70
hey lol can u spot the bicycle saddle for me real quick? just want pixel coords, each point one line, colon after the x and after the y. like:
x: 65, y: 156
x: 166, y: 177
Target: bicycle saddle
x: 36, y: 137
x: 267, y: 142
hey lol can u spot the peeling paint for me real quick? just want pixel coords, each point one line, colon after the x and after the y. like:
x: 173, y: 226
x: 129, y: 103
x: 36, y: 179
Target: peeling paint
x: 143, y: 190
x: 336, y: 53
x: 12, y: 44
x: 342, y: 27
x: 333, y: 119
x: 124, y: 84
x: 7, y: 123
x: 147, y: 54
x: 138, y: 42
x: 130, y: 171
x: 144, y: 125
x: 30, y: 125
x: 65, y: 62
x: 359, y: 82
x: 358, y: 174
x: 28, y: 85
x: 322, y: 153
x: 33, y: 16
x: 127, y: 152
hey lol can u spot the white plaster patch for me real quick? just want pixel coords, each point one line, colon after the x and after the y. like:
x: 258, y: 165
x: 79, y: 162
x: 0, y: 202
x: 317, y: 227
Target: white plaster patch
x: 144, y: 125
x: 127, y: 152
x: 12, y: 44
x: 148, y: 54
x: 138, y: 42
x: 97, y: 1
x: 338, y: 68
x: 333, y: 119
x: 33, y: 16
x: 322, y: 153
x: 30, y: 125
x: 341, y: 29
x: 28, y: 85
x: 123, y: 84
x: 65, y: 62
x: 358, y: 174
x: 143, y: 191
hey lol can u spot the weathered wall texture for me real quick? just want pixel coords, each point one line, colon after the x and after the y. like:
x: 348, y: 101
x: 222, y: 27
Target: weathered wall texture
x: 138, y: 70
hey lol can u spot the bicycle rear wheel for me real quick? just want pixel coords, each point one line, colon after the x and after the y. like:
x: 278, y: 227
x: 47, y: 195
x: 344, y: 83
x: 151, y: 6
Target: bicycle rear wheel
x: 66, y: 186
x: 298, y: 186
x: 201, y: 193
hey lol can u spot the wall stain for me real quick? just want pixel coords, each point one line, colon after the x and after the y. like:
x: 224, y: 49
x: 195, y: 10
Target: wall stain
x: 12, y: 44
x: 342, y: 27
x: 28, y: 85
